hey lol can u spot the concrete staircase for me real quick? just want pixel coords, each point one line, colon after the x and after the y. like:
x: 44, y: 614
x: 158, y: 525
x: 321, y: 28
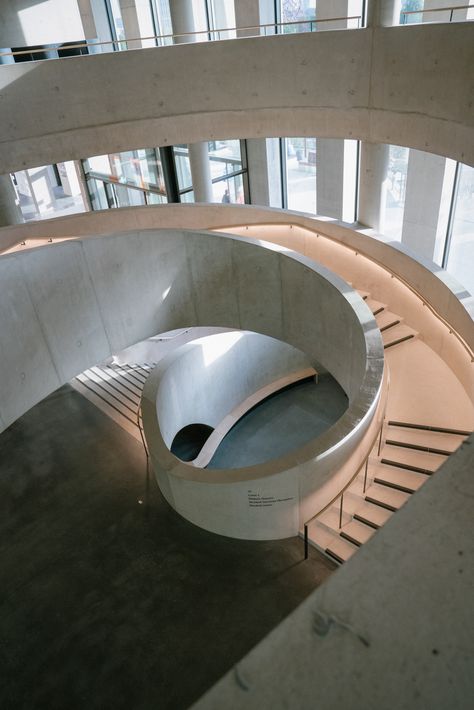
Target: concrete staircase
x: 410, y: 452
x: 392, y: 477
x: 116, y: 390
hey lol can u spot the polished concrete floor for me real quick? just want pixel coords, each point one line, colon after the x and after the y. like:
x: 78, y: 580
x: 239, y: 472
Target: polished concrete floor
x: 108, y: 599
x: 282, y: 423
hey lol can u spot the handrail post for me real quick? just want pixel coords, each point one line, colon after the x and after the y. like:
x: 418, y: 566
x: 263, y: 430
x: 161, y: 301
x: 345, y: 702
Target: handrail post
x: 380, y: 440
x: 451, y: 15
x: 306, y: 551
x: 365, y: 475
x: 340, y: 510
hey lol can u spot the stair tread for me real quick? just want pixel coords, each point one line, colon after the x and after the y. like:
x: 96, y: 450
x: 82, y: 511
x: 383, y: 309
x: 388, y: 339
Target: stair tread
x: 341, y: 548
x: 358, y: 531
x: 115, y: 380
x: 373, y: 513
x: 432, y: 439
x: 413, y: 457
x: 410, y: 480
x: 375, y: 305
x: 398, y: 331
x: 386, y: 317
x: 387, y: 496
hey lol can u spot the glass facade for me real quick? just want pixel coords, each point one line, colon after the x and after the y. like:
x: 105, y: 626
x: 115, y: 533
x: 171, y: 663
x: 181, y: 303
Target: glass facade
x: 49, y: 191
x: 137, y: 177
x: 460, y: 256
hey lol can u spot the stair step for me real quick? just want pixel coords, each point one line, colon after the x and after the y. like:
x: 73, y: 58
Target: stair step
x: 372, y: 515
x: 407, y: 481
x: 386, y: 497
x: 375, y: 306
x: 427, y: 427
x: 386, y: 319
x: 115, y: 380
x: 340, y: 550
x: 122, y: 377
x: 426, y: 440
x: 108, y: 393
x: 411, y: 459
x: 330, y: 518
x: 356, y: 532
x: 398, y: 334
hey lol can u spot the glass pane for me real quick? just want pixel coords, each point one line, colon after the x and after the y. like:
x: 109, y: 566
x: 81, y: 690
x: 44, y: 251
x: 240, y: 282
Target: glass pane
x: 461, y: 253
x: 49, y: 191
x: 187, y: 196
x: 229, y: 191
x: 145, y: 22
x: 222, y: 15
x: 183, y: 168
x: 410, y: 6
x: 139, y: 167
x: 153, y: 199
x: 301, y: 173
x: 224, y: 157
x: 396, y: 188
x: 162, y: 15
x: 97, y: 194
x: 118, y: 22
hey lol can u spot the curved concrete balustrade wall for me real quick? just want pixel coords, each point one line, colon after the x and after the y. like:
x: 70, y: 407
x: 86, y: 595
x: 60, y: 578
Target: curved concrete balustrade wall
x: 435, y: 286
x: 71, y: 305
x: 205, y: 382
x: 402, y: 85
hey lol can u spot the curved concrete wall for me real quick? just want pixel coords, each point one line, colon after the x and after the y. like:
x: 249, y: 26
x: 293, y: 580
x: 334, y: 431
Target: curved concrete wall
x: 73, y: 304
x: 201, y: 382
x: 68, y: 306
x: 435, y: 286
x: 404, y: 85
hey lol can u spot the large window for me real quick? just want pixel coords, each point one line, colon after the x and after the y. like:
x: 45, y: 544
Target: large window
x: 460, y: 259
x: 125, y: 179
x: 49, y: 191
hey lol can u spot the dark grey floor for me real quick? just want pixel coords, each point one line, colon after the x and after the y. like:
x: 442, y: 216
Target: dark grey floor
x: 282, y: 423
x: 108, y: 603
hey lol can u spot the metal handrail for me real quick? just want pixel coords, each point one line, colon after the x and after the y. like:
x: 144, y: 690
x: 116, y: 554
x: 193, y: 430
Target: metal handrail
x: 394, y: 275
x: 340, y: 495
x: 80, y: 45
x: 451, y: 8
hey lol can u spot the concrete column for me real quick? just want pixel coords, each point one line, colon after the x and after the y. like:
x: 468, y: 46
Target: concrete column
x: 200, y: 172
x: 10, y: 212
x: 258, y: 171
x: 130, y: 23
x: 385, y: 13
x: 374, y: 161
x: 424, y: 189
x: 87, y: 19
x: 247, y: 14
x: 326, y: 9
x: 183, y: 20
x: 330, y: 153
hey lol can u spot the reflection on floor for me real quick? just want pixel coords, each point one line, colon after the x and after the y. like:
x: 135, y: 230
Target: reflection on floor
x: 108, y: 598
x: 282, y: 423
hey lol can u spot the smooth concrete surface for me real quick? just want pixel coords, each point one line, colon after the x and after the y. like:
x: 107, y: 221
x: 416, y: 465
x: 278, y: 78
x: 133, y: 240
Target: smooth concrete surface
x: 108, y: 598
x: 401, y: 85
x: 25, y: 22
x: 393, y: 627
x: 10, y: 212
x: 209, y: 381
x: 436, y: 287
